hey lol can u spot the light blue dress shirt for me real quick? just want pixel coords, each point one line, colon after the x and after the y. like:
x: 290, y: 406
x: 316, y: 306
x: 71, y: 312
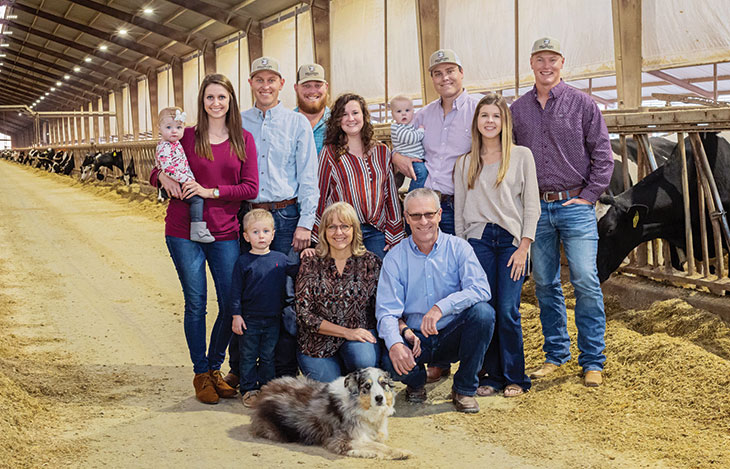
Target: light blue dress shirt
x: 411, y: 282
x: 287, y: 159
x: 320, y: 129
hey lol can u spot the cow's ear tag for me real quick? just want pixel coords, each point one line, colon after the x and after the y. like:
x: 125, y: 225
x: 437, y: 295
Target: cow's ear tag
x: 635, y: 221
x: 114, y: 154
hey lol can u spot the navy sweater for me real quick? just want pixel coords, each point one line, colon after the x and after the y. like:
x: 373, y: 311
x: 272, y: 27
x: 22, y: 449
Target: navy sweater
x: 259, y: 285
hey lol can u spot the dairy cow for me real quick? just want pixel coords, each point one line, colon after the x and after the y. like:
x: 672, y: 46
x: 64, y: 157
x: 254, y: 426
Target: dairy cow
x: 93, y: 163
x: 662, y: 149
x: 653, y: 208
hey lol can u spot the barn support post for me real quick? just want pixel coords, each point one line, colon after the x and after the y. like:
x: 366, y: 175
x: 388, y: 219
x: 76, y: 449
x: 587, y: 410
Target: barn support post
x: 627, y: 51
x: 107, y: 119
x: 685, y: 199
x: 320, y: 15
x: 83, y: 128
x: 177, y: 83
x: 429, y: 41
x: 209, y: 63
x: 95, y: 121
x: 77, y: 127
x: 134, y: 102
x: 152, y: 90
x: 255, y: 47
x: 119, y: 111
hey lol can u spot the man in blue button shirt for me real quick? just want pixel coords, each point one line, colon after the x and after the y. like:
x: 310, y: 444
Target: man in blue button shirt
x: 434, y: 283
x: 311, y: 89
x: 288, y: 188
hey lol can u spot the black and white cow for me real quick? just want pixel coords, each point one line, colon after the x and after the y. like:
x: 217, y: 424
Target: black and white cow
x: 93, y: 163
x: 130, y: 173
x: 653, y: 208
x: 662, y: 149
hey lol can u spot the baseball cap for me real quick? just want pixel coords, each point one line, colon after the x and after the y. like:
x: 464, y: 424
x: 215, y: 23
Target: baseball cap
x: 310, y: 72
x: 443, y: 56
x: 264, y: 63
x: 546, y: 44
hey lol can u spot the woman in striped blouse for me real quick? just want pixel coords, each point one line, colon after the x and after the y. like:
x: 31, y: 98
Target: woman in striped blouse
x: 355, y: 168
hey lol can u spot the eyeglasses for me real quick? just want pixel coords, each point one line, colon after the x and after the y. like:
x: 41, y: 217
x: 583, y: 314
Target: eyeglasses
x: 426, y: 215
x: 342, y: 228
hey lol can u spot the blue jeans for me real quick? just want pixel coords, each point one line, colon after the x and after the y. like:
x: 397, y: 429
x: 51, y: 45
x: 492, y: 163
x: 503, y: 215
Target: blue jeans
x: 257, y: 352
x: 504, y: 362
x: 351, y: 356
x: 447, y: 217
x: 374, y: 240
x: 190, y: 258
x: 285, y: 223
x: 419, y: 167
x: 465, y: 339
x: 574, y: 225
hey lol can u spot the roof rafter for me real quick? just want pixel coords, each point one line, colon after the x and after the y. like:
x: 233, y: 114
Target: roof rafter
x: 682, y: 83
x: 78, y: 89
x: 158, y: 55
x: 231, y: 18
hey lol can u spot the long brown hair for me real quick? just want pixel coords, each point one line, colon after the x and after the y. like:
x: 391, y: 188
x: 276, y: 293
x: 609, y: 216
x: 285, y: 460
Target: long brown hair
x: 336, y: 136
x: 233, y: 120
x: 474, y: 158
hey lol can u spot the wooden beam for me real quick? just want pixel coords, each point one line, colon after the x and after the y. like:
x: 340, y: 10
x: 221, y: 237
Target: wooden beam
x: 223, y: 15
x: 53, y: 77
x: 95, y: 120
x: 682, y: 83
x: 119, y: 110
x: 109, y: 57
x: 254, y: 39
x: 154, y: 111
x: 177, y: 83
x: 134, y: 103
x: 429, y: 41
x: 320, y: 15
x: 209, y: 59
x: 627, y: 51
x: 194, y: 40
x: 107, y: 119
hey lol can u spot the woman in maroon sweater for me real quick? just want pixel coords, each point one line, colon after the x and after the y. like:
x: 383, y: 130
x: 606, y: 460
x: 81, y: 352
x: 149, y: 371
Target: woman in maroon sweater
x: 222, y: 157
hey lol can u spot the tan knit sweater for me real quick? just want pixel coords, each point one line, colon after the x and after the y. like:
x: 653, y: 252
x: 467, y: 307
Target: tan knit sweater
x: 514, y: 204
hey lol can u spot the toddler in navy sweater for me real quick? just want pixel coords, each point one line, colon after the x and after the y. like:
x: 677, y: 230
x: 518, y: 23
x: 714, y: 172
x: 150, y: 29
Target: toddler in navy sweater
x: 258, y: 295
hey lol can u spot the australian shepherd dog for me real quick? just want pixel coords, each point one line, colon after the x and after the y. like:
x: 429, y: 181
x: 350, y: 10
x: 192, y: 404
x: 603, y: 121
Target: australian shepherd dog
x: 348, y: 416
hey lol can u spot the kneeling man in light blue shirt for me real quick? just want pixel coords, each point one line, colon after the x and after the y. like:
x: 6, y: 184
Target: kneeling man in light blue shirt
x: 432, y: 305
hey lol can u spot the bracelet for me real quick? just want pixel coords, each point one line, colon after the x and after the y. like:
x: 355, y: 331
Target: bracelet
x: 403, y: 332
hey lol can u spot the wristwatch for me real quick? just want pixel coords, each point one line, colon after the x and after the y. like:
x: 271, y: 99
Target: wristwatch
x: 403, y: 332
x: 216, y: 193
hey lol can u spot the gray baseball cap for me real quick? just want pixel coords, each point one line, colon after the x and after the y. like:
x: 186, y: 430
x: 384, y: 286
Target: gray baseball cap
x: 546, y: 44
x: 443, y: 56
x: 264, y: 63
x: 310, y: 72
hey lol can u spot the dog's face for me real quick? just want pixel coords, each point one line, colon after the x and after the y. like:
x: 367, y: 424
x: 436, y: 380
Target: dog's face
x: 373, y: 387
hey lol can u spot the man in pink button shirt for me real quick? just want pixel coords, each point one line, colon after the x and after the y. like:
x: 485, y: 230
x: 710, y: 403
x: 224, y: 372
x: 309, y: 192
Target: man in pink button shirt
x: 447, y: 125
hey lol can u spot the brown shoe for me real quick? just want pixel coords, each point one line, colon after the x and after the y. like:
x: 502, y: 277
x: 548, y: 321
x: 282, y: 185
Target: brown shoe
x: 221, y: 387
x: 204, y: 389
x: 231, y: 380
x: 435, y: 373
x: 592, y: 378
x: 466, y: 404
x: 415, y: 395
x: 544, y: 370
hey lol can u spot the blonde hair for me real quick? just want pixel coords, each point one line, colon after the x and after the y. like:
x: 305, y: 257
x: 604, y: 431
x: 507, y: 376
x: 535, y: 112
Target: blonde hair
x: 474, y: 158
x: 401, y: 98
x: 233, y: 120
x: 346, y: 214
x: 257, y: 214
x: 169, y: 112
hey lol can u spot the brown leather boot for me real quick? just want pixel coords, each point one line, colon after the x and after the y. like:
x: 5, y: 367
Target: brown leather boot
x: 221, y: 387
x: 435, y: 373
x: 204, y: 389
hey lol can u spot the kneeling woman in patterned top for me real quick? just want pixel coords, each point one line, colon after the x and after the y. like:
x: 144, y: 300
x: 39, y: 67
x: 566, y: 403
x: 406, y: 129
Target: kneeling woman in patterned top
x: 335, y: 300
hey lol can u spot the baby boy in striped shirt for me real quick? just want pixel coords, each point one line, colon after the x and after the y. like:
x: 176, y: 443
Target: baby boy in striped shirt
x: 408, y: 140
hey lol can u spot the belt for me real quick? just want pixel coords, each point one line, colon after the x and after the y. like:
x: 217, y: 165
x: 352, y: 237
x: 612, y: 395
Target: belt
x: 274, y: 205
x: 445, y: 197
x: 559, y: 195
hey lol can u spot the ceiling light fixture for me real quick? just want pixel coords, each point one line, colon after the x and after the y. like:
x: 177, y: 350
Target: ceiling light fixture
x: 77, y: 69
x: 42, y: 98
x: 87, y: 59
x: 66, y: 77
x: 11, y: 17
x: 4, y: 44
x: 103, y: 47
x: 47, y: 93
x: 148, y: 11
x: 58, y: 83
x: 53, y: 88
x: 123, y: 32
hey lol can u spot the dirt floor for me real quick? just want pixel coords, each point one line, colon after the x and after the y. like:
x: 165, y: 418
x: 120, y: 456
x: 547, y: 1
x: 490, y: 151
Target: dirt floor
x: 94, y: 371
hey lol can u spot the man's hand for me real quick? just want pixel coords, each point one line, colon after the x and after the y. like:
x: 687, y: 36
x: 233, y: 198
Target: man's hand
x: 238, y: 324
x: 428, y: 324
x: 302, y: 238
x: 577, y: 200
x: 170, y: 185
x: 402, y: 358
x: 404, y: 164
x: 415, y: 342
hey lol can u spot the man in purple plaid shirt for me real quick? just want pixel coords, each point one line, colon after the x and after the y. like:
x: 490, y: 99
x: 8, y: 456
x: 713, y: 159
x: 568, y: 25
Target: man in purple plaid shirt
x: 568, y: 137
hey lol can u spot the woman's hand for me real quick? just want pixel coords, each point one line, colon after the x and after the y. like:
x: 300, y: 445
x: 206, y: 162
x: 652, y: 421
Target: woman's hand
x: 360, y: 335
x: 171, y: 186
x: 415, y: 342
x: 308, y: 252
x: 518, y: 260
x: 191, y: 188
